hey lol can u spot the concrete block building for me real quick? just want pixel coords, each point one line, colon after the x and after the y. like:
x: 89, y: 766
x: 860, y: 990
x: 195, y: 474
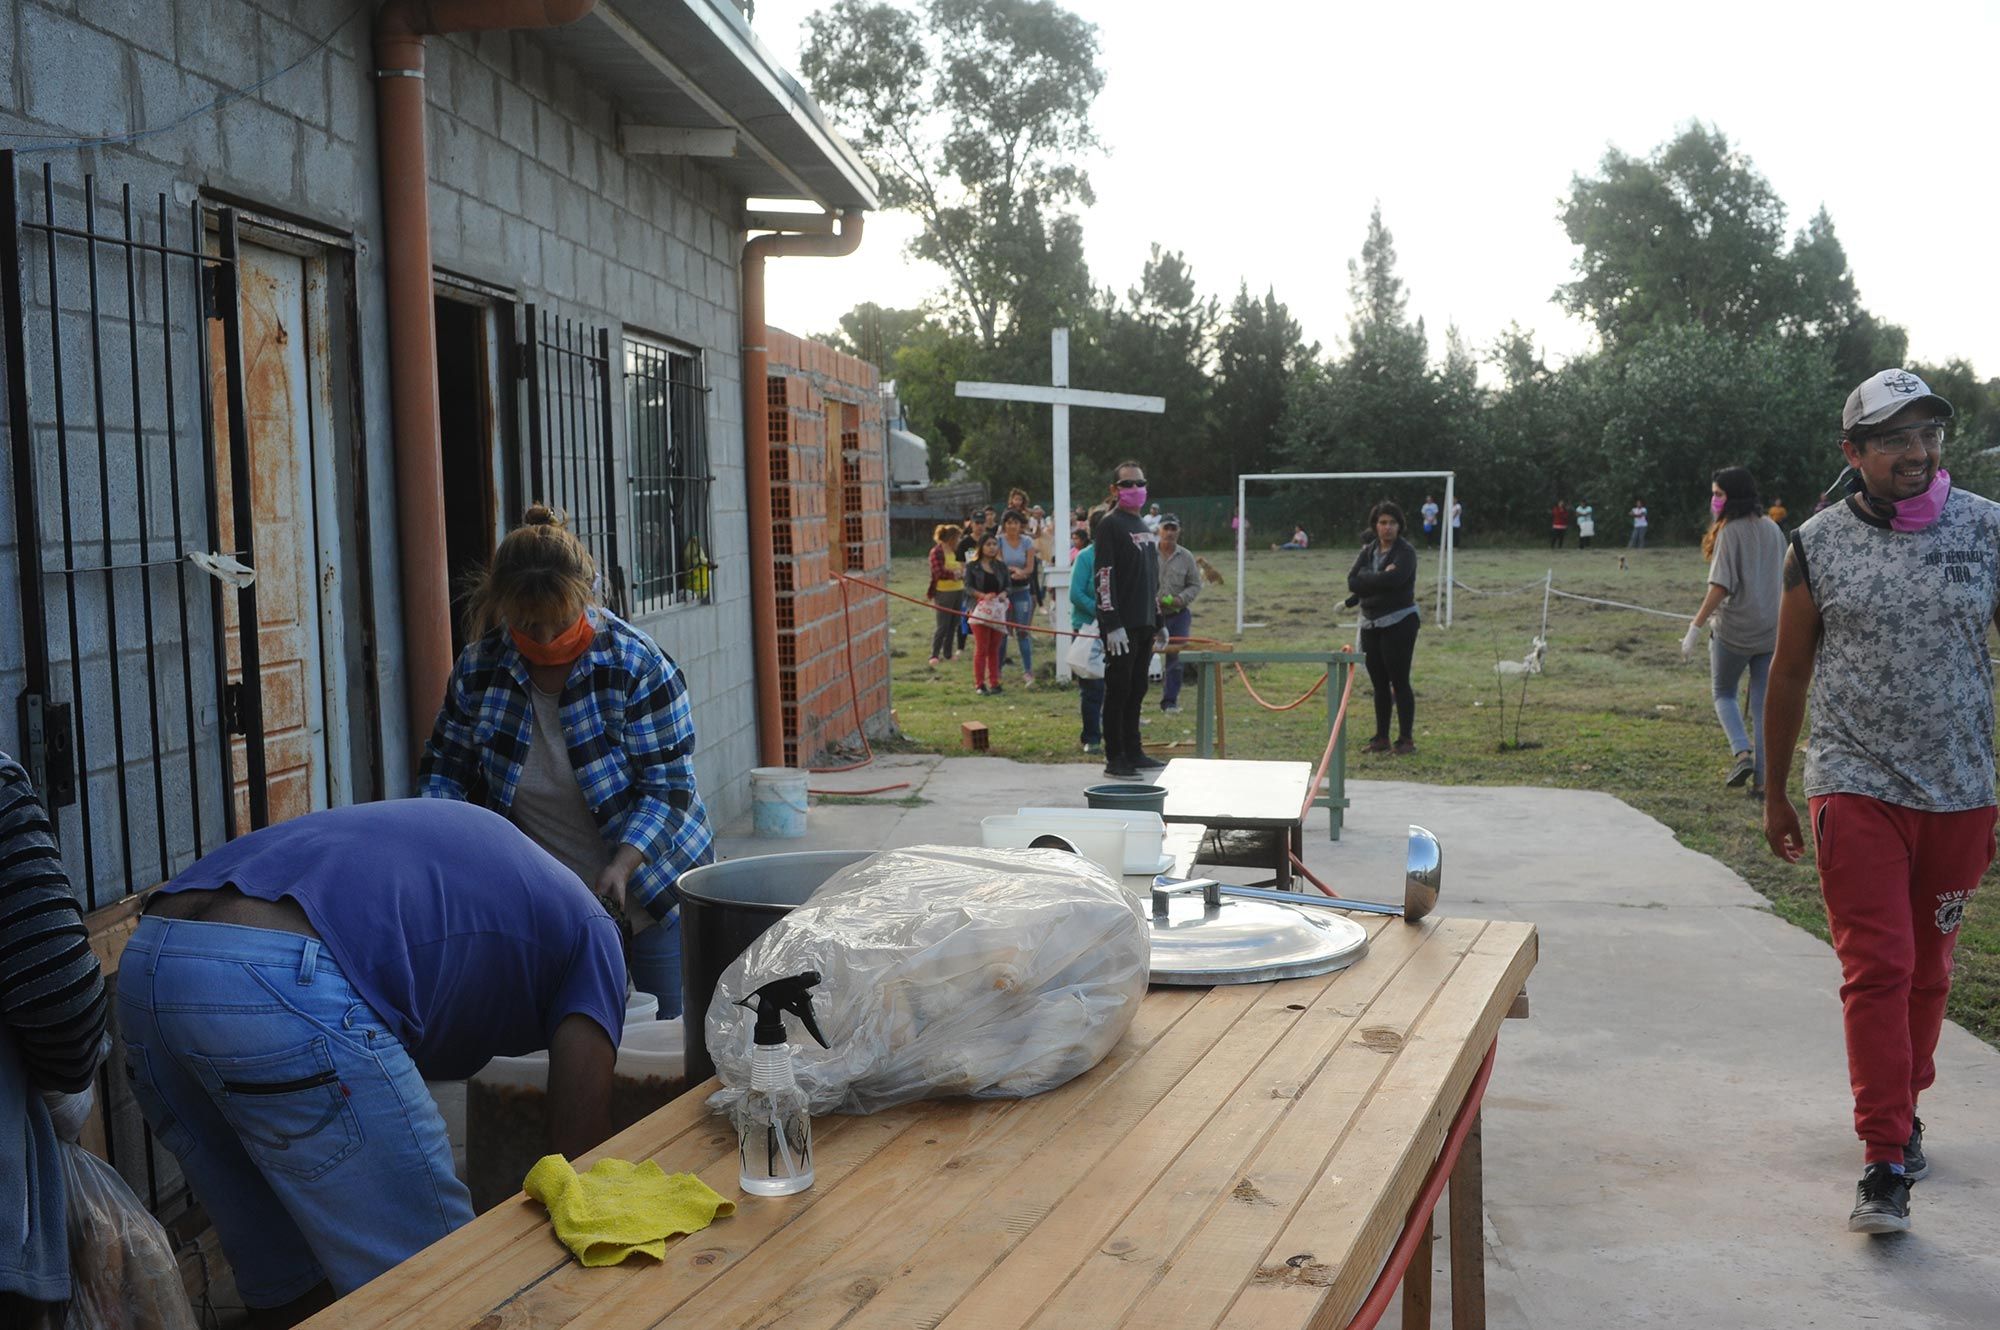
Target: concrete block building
x: 303, y: 302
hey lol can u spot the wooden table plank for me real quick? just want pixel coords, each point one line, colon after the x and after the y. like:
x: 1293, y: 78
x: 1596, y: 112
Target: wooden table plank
x: 1242, y: 1226
x: 1230, y: 793
x: 1386, y: 1153
x: 1129, y: 1257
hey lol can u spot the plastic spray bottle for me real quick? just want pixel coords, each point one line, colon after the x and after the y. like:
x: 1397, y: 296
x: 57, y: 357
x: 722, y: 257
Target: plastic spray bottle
x: 773, y: 1128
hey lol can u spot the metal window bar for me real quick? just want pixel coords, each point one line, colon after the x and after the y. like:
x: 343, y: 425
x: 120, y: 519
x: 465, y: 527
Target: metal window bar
x: 666, y: 408
x: 571, y: 465
x: 106, y: 331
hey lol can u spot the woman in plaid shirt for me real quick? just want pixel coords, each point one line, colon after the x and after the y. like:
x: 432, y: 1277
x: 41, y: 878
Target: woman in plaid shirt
x: 571, y: 722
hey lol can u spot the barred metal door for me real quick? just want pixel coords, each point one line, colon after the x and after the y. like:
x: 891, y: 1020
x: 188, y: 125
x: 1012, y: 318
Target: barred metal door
x: 570, y: 462
x: 127, y: 709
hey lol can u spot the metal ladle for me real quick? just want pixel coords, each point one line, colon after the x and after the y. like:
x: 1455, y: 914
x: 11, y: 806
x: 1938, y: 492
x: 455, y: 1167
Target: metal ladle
x: 1423, y: 876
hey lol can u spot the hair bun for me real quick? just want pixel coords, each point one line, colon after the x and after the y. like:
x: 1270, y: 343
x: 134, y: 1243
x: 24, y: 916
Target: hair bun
x: 540, y: 514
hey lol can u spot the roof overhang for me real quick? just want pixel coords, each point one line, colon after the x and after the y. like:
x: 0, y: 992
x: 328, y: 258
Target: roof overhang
x: 689, y: 78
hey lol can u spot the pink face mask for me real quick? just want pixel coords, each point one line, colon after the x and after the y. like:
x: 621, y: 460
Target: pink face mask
x: 1716, y: 503
x: 1917, y: 513
x: 1132, y: 499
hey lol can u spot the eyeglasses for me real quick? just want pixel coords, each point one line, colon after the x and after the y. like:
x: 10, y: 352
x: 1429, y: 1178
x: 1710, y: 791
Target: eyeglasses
x: 1138, y: 484
x: 1928, y: 436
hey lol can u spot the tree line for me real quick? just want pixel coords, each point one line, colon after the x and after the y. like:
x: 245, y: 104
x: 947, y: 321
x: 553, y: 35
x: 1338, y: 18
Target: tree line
x: 1722, y: 336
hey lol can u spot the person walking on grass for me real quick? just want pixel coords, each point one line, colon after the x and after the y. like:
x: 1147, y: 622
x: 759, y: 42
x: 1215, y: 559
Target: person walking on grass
x: 986, y: 583
x: 1746, y: 554
x: 1127, y: 571
x: 1430, y: 515
x: 1638, y: 515
x: 1889, y: 594
x: 1082, y: 615
x: 1558, y: 524
x: 1180, y: 583
x: 1383, y: 581
x: 1586, y: 524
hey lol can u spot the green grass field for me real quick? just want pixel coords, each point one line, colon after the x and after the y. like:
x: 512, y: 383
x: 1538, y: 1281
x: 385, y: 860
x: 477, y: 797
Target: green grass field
x: 1616, y: 708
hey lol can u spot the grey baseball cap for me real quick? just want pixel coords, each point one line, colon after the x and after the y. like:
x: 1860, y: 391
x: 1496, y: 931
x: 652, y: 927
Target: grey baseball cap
x: 1883, y: 395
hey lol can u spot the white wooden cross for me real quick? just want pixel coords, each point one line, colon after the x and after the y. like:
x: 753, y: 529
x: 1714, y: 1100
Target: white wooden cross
x: 1062, y: 397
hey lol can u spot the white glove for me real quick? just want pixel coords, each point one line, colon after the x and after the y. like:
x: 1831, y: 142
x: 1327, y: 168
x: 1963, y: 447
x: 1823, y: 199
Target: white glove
x: 1115, y: 643
x: 1687, y: 643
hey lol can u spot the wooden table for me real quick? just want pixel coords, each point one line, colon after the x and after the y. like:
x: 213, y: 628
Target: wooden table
x: 1244, y: 1158
x: 1229, y: 795
x: 1209, y: 669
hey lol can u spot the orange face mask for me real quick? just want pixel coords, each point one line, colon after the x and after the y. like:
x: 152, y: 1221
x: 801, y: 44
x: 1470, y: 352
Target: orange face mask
x: 560, y: 650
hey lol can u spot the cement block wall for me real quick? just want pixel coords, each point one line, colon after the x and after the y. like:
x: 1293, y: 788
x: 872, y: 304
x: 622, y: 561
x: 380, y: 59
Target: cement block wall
x: 830, y: 515
x: 531, y: 199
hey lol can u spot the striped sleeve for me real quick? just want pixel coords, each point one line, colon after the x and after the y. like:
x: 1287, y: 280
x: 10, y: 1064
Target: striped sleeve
x: 51, y: 989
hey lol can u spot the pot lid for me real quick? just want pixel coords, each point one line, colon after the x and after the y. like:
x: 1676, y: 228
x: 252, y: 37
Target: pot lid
x: 1203, y: 936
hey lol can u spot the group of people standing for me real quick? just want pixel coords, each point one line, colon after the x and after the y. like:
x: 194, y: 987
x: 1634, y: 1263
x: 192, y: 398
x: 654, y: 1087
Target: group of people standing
x: 283, y: 1000
x: 986, y: 584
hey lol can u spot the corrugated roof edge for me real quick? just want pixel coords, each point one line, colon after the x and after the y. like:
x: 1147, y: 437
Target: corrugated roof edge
x: 729, y: 25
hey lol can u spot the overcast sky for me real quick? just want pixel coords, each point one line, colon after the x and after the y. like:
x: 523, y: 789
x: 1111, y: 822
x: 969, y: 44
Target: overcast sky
x: 1256, y: 136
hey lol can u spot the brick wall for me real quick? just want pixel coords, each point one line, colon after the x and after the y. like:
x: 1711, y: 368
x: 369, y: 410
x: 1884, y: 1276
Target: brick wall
x: 830, y: 515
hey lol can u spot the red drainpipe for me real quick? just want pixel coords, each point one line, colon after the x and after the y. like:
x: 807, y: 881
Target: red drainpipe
x: 400, y: 29
x: 757, y: 462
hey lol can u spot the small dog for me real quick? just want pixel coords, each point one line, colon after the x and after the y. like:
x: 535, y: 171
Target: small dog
x: 1208, y: 571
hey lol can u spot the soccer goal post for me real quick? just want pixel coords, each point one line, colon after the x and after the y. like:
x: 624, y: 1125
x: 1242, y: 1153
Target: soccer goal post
x: 1444, y: 573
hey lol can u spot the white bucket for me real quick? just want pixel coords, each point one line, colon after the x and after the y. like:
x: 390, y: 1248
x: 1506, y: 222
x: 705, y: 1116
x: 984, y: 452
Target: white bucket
x: 778, y: 801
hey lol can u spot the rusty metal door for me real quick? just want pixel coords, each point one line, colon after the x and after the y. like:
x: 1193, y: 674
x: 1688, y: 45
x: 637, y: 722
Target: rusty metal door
x: 283, y: 376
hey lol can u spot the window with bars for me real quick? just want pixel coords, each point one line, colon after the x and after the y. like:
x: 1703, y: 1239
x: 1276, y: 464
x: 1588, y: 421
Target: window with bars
x: 666, y: 414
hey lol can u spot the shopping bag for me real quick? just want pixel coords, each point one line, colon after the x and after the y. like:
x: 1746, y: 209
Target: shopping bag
x: 123, y: 1275
x: 1086, y: 653
x: 991, y: 610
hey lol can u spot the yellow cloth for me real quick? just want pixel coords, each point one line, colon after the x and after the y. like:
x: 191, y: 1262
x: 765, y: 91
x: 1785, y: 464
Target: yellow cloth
x: 619, y: 1207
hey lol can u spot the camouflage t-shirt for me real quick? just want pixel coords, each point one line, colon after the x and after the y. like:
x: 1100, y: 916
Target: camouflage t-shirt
x: 1902, y: 690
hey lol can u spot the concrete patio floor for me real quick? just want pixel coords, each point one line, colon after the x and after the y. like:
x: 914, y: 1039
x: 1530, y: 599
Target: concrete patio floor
x: 1668, y: 1138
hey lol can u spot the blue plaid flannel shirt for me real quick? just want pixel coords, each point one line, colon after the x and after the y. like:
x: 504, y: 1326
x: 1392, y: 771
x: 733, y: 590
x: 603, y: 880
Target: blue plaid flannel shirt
x: 631, y: 742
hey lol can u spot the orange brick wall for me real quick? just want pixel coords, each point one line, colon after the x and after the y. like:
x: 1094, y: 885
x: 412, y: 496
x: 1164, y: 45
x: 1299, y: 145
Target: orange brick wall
x: 829, y: 477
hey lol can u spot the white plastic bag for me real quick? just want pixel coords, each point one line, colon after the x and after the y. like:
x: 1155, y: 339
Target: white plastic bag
x: 123, y: 1275
x: 945, y: 970
x: 1086, y: 653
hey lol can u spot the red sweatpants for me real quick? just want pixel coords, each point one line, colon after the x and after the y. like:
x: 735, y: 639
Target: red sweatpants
x: 986, y: 655
x: 1895, y: 881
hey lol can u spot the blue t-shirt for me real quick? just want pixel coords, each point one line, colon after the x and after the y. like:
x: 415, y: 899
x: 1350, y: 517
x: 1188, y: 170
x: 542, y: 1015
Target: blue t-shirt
x: 465, y: 937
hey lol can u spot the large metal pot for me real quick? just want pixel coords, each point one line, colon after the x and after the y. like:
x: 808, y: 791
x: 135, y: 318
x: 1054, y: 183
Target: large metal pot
x: 724, y: 907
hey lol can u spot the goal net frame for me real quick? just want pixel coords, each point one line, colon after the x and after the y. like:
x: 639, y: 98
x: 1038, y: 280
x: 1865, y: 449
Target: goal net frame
x: 1446, y: 545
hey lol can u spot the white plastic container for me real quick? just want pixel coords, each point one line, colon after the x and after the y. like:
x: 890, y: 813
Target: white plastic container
x: 1098, y: 840
x: 1145, y: 834
x: 778, y: 801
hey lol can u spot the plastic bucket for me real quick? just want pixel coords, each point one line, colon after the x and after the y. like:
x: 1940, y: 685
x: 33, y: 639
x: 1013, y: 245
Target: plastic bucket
x: 778, y: 801
x: 1130, y: 798
x: 724, y: 907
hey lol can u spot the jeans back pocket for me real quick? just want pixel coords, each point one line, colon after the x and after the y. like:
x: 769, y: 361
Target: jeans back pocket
x: 290, y: 1108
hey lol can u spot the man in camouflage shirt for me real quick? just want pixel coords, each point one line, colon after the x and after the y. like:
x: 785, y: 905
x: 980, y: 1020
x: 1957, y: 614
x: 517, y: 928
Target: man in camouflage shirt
x: 1887, y: 600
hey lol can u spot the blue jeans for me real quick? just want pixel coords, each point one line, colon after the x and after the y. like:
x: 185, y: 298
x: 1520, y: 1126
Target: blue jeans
x: 299, y: 1119
x: 1177, y: 625
x: 1726, y: 668
x: 1020, y: 611
x: 1090, y: 698
x: 656, y: 964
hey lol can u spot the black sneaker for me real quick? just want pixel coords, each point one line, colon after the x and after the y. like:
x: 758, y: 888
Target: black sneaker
x: 1146, y: 762
x: 1120, y: 773
x: 1881, y: 1202
x: 1743, y: 769
x: 1915, y: 1166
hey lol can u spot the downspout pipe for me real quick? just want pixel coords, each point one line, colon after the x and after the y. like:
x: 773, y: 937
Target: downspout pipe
x: 400, y: 29
x: 757, y: 460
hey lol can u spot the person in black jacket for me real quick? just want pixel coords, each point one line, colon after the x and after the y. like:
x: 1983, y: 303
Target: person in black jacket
x: 1384, y: 583
x: 1128, y: 590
